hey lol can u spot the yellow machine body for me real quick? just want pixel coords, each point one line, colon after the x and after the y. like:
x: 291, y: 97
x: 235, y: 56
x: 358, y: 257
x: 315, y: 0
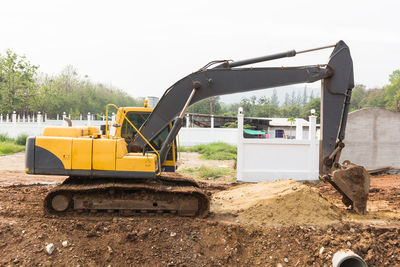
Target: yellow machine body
x: 84, y: 151
x: 63, y: 131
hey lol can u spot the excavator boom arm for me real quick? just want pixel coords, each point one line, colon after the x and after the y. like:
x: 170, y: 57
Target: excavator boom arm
x: 227, y: 78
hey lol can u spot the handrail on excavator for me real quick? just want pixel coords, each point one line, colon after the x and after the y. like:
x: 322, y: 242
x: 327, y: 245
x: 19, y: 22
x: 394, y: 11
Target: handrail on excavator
x: 133, y: 126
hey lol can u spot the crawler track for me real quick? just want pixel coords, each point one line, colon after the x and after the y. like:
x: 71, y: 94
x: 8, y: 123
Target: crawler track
x: 165, y: 194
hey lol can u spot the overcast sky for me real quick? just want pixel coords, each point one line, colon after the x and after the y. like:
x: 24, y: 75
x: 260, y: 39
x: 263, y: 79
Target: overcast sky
x: 143, y: 47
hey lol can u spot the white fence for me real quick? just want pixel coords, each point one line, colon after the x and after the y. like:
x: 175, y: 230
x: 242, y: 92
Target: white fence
x: 273, y: 159
x: 16, y: 125
x: 198, y: 136
x: 190, y: 136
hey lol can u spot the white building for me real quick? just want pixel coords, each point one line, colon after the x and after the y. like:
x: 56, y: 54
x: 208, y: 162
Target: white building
x: 282, y: 128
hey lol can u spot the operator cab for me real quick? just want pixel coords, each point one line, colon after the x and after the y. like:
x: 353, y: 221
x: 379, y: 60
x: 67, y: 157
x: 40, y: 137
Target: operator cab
x: 137, y: 116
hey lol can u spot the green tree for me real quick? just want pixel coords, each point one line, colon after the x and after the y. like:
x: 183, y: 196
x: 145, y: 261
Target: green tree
x: 287, y: 100
x: 23, y: 90
x: 290, y: 111
x: 203, y: 106
x: 17, y: 82
x: 274, y: 98
x: 305, y: 96
x: 311, y: 96
x: 265, y: 108
x: 248, y: 105
x: 68, y: 92
x: 293, y: 99
x: 229, y: 109
x: 291, y: 120
x: 374, y: 98
x: 392, y: 90
x: 357, y: 96
x: 299, y: 99
x: 315, y: 104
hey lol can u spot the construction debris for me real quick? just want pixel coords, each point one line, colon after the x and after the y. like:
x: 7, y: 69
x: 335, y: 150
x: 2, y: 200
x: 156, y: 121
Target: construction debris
x: 50, y: 248
x: 379, y: 170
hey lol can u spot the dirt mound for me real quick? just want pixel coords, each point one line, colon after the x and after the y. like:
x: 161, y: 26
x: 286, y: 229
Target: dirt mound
x: 281, y: 202
x: 245, y: 196
x: 305, y: 206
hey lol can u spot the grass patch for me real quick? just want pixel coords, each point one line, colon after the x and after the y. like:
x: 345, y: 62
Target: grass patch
x: 214, y: 151
x: 183, y: 149
x: 10, y: 147
x: 4, y: 138
x: 21, y: 140
x: 208, y: 173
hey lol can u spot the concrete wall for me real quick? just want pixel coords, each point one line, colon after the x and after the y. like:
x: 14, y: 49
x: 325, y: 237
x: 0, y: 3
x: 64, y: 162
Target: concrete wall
x: 373, y: 138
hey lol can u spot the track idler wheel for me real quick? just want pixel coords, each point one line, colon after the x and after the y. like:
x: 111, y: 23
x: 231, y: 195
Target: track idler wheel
x: 60, y: 202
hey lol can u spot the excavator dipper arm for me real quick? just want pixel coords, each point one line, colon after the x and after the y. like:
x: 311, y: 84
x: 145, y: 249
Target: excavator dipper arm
x: 228, y: 78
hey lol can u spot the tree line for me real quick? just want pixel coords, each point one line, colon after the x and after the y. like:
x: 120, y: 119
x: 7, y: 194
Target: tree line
x: 294, y: 105
x: 385, y: 97
x: 25, y: 90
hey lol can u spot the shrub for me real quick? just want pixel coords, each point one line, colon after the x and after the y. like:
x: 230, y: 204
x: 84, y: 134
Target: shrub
x: 216, y: 151
x: 21, y: 139
x: 4, y: 137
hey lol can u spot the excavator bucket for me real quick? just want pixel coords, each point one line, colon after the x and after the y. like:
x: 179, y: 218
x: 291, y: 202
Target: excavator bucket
x: 352, y: 181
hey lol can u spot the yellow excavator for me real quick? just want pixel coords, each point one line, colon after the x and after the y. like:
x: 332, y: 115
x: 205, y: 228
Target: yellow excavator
x: 125, y: 167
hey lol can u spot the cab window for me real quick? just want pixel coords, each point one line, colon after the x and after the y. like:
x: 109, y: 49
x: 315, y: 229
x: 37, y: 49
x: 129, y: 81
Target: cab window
x: 160, y: 138
x: 137, y: 119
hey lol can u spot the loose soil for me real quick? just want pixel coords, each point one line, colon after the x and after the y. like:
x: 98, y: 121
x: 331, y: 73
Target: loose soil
x: 238, y: 232
x: 305, y: 206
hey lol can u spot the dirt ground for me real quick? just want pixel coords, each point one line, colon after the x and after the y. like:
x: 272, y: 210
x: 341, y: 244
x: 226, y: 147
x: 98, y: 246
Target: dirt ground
x: 194, y: 160
x: 263, y: 224
x: 12, y: 172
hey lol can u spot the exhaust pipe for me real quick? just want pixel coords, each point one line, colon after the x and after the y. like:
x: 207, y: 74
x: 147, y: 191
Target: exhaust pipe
x: 347, y: 258
x: 69, y: 122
